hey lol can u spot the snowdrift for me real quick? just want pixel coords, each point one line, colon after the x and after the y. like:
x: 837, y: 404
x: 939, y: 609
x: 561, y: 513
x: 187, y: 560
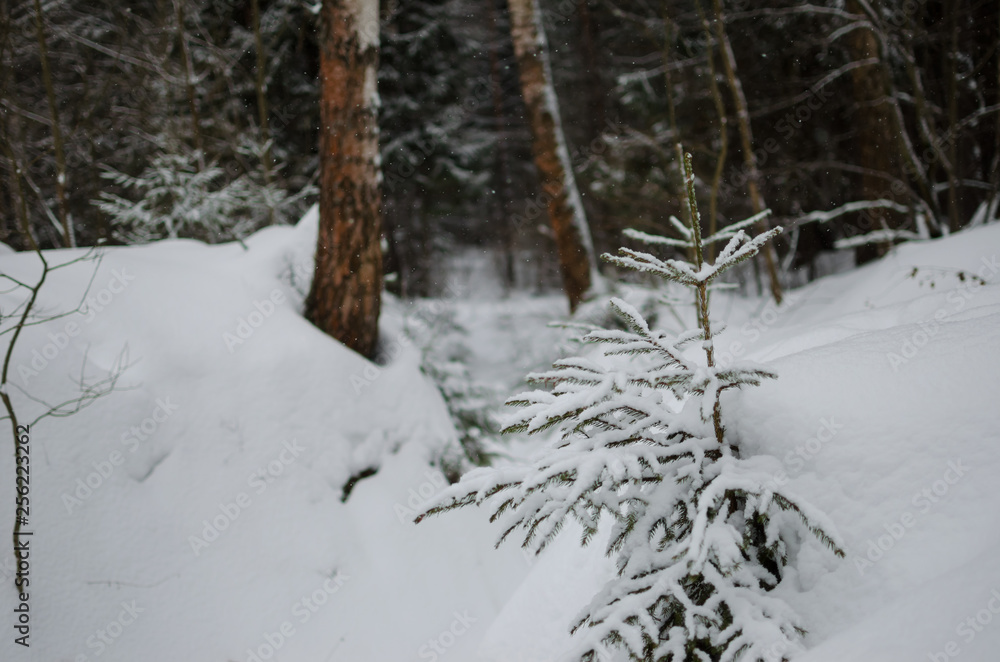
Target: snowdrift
x: 198, y: 513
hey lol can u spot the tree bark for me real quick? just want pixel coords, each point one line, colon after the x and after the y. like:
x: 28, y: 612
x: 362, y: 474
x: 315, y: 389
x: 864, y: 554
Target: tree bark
x: 502, y: 195
x: 565, y: 209
x: 954, y: 221
x: 345, y: 297
x: 876, y: 125
x: 746, y: 139
x: 720, y: 112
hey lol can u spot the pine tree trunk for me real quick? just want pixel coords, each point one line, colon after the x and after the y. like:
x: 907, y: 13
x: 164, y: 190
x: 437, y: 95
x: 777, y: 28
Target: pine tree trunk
x: 345, y: 297
x: 569, y: 223
x: 876, y: 141
x: 872, y: 44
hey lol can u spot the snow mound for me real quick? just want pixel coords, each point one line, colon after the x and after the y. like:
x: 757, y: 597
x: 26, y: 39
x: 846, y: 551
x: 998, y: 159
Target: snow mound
x: 198, y: 512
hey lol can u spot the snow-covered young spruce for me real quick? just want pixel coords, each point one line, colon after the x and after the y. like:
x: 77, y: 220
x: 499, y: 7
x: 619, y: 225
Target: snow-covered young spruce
x: 699, y: 533
x: 179, y: 197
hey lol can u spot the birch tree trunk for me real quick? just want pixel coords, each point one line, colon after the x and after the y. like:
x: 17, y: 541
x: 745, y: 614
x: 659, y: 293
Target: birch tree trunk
x: 345, y: 297
x: 565, y: 209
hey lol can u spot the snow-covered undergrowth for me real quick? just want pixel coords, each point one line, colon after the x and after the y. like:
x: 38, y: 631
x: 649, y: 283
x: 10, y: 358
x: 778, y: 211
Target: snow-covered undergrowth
x: 249, y: 424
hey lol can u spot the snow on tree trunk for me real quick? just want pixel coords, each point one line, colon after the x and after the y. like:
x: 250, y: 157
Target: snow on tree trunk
x: 569, y: 223
x: 346, y: 291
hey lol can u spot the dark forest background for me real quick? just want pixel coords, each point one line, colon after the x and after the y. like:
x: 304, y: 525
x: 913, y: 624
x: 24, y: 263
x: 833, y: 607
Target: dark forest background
x: 207, y: 114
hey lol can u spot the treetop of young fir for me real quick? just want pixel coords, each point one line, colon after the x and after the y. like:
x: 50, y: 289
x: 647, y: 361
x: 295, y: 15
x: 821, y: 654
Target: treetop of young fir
x: 739, y: 248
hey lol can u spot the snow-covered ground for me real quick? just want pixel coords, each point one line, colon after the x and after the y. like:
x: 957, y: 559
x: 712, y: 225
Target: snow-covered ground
x: 198, y: 512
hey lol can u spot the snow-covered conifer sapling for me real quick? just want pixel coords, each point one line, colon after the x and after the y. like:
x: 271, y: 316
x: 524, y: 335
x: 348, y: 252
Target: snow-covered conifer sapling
x: 699, y: 531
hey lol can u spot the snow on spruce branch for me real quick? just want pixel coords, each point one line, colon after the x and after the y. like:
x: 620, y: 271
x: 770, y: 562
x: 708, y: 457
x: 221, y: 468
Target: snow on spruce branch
x: 636, y: 443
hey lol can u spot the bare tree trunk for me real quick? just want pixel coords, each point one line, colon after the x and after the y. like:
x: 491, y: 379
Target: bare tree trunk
x: 746, y: 138
x: 501, y: 171
x: 11, y: 189
x: 954, y: 221
x: 668, y: 81
x: 345, y: 297
x: 57, y: 139
x: 569, y: 223
x: 879, y: 46
x: 595, y: 93
x: 668, y: 46
x: 876, y: 140
x: 720, y: 111
x: 18, y: 201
